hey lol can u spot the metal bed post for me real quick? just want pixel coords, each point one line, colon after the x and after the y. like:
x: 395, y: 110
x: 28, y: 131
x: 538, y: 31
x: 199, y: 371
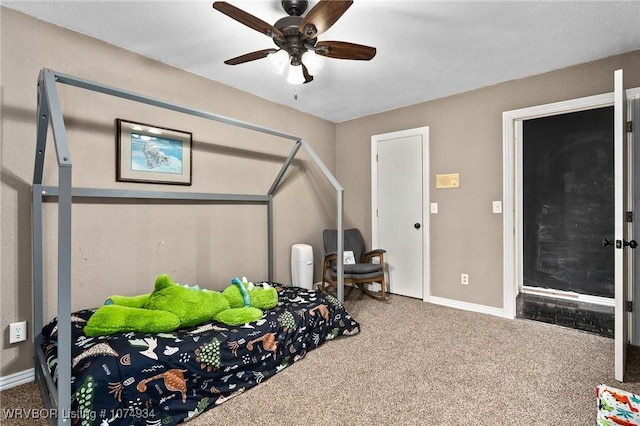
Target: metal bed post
x: 42, y: 120
x: 64, y: 295
x: 64, y: 247
x: 36, y: 241
x: 48, y: 388
x: 340, y: 247
x: 270, y: 239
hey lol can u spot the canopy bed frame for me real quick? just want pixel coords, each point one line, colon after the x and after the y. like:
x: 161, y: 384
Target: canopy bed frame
x: 49, y: 112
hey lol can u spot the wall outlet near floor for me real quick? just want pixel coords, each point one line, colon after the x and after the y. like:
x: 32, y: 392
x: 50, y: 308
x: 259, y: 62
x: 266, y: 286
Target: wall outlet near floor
x: 464, y: 279
x: 17, y: 332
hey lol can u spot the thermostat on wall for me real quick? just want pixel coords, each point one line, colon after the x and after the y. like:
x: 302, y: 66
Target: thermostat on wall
x: 451, y: 180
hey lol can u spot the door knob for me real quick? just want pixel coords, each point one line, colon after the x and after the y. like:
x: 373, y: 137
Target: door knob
x: 606, y: 242
x: 416, y: 225
x: 620, y: 243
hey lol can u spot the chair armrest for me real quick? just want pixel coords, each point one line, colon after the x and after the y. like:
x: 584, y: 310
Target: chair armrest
x: 326, y: 264
x: 328, y: 258
x: 379, y: 253
x: 376, y: 251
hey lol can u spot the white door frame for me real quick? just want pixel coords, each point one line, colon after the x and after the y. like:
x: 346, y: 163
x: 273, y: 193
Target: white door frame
x: 424, y: 133
x: 634, y: 116
x: 512, y: 182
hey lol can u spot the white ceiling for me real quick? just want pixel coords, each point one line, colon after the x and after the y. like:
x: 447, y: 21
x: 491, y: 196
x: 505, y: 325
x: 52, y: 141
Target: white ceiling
x: 425, y: 49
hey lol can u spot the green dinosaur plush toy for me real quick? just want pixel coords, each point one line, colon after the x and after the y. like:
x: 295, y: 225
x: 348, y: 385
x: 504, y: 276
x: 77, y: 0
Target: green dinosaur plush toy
x: 172, y: 306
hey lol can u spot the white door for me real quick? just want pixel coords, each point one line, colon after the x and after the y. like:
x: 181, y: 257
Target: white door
x: 622, y: 228
x: 399, y: 194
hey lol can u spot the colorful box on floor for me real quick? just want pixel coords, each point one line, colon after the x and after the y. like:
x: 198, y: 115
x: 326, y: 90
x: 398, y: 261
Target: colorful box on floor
x: 617, y: 407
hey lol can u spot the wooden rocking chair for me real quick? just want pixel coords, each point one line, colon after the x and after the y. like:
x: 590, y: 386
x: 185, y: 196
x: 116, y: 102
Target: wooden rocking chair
x: 359, y: 274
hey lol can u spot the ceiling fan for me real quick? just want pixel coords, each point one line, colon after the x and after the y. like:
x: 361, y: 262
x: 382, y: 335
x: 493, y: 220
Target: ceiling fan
x: 296, y: 36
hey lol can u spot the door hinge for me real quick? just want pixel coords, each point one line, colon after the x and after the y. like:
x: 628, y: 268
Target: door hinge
x: 629, y: 217
x: 629, y: 126
x: 629, y: 306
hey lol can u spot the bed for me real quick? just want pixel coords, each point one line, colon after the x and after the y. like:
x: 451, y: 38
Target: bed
x: 168, y: 378
x: 80, y: 377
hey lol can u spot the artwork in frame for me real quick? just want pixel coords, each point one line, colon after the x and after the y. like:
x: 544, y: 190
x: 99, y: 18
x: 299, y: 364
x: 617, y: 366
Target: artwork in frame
x: 152, y: 154
x: 349, y: 258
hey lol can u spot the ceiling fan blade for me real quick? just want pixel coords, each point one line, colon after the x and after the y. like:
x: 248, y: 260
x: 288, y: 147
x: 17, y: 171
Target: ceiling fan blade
x: 250, y: 57
x: 247, y: 19
x: 344, y: 50
x: 308, y: 78
x: 322, y: 16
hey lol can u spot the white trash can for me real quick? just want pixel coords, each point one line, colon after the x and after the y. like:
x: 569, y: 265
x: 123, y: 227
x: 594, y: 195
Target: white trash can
x: 302, y: 266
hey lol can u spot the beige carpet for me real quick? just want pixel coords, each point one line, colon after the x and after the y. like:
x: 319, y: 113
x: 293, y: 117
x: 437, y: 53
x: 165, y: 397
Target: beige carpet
x: 417, y: 363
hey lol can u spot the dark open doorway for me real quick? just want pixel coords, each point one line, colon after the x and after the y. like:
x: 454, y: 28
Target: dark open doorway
x: 568, y: 208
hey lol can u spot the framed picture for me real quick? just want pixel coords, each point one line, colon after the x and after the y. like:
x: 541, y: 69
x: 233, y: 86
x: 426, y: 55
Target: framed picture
x: 152, y: 154
x: 349, y: 258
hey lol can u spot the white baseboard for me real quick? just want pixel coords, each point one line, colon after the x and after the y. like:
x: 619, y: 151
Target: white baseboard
x: 466, y: 306
x: 17, y: 379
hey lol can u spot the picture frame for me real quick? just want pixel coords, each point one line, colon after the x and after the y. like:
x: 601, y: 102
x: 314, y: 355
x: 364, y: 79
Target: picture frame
x: 349, y: 258
x: 153, y: 154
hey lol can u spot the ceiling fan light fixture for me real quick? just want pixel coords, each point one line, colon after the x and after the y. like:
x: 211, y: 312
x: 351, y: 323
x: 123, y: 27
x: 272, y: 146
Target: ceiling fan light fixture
x: 278, y: 60
x: 312, y: 61
x: 295, y: 36
x: 295, y: 75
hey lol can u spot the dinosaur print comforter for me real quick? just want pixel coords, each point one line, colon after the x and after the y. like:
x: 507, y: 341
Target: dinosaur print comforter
x: 169, y: 378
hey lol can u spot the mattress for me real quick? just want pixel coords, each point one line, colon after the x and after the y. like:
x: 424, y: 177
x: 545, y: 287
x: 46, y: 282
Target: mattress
x: 168, y: 378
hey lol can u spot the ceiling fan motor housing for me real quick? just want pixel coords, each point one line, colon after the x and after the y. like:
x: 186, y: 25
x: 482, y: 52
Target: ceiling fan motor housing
x: 294, y: 43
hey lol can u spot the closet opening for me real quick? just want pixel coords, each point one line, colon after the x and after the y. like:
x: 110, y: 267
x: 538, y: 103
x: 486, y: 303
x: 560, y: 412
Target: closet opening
x: 567, y: 201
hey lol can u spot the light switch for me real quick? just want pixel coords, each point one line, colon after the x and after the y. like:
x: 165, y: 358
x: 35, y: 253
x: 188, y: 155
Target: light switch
x: 497, y: 206
x: 434, y: 208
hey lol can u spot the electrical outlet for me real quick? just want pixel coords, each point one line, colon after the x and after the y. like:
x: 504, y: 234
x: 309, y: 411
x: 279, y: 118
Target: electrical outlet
x: 464, y: 279
x: 17, y: 332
